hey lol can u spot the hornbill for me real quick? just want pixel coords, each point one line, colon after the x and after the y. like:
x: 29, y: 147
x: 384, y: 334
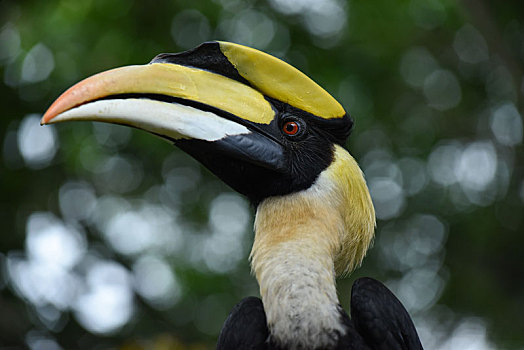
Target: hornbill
x: 275, y: 136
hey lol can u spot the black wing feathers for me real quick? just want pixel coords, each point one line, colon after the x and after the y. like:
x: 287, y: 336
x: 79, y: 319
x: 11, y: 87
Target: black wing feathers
x: 378, y: 321
x: 245, y: 327
x: 380, y: 317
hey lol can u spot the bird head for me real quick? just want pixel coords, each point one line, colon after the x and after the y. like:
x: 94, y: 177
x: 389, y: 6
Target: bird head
x: 259, y: 124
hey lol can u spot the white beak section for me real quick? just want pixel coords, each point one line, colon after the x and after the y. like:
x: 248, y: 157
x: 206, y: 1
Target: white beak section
x: 172, y: 120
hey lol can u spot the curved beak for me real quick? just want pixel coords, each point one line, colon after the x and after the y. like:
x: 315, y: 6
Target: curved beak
x: 180, y: 104
x: 163, y: 82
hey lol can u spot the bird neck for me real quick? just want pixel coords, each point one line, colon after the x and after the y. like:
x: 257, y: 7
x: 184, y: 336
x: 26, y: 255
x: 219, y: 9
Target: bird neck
x: 296, y: 240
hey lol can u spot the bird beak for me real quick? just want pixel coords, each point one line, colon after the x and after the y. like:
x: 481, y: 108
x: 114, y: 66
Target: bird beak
x: 222, y: 103
x: 178, y: 103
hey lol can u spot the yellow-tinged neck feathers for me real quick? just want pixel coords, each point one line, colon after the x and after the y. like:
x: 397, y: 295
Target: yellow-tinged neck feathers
x: 336, y: 213
x: 302, y: 241
x: 355, y: 206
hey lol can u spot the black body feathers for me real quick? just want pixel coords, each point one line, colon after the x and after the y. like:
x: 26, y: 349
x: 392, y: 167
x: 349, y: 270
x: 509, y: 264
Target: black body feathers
x: 245, y: 327
x: 381, y: 318
x: 378, y: 321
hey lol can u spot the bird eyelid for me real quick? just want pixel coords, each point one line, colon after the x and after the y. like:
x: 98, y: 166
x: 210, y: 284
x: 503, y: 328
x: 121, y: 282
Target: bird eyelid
x: 292, y: 127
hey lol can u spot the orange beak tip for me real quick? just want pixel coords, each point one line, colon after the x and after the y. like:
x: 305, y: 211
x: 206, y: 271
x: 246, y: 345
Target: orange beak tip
x: 45, y: 119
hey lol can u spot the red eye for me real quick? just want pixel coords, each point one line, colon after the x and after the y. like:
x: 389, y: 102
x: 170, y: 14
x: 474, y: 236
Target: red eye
x: 290, y: 128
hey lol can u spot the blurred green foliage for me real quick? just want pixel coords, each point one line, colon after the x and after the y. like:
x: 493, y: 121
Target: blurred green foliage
x: 436, y: 90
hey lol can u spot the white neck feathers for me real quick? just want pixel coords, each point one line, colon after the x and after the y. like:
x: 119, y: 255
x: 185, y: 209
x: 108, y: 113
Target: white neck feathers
x: 297, y: 284
x: 299, y: 239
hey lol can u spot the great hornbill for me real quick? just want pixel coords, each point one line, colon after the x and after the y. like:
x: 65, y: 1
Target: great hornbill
x: 275, y: 136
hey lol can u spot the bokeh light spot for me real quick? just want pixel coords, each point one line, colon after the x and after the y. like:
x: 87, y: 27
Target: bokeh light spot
x: 155, y: 281
x: 442, y: 90
x: 323, y: 18
x: 477, y: 165
x: 37, y: 340
x: 441, y: 163
x: 249, y: 27
x: 50, y: 242
x: 228, y: 219
x: 190, y: 28
x: 38, y: 64
x: 419, y: 289
x: 414, y: 175
x: 469, y: 45
x: 119, y: 173
x: 416, y: 64
x: 388, y: 198
x: 9, y: 43
x: 110, y: 135
x: 46, y: 275
x: 37, y: 144
x: 470, y: 334
x: 107, y: 303
x: 149, y: 227
x: 506, y: 125
x: 413, y: 243
x: 77, y: 200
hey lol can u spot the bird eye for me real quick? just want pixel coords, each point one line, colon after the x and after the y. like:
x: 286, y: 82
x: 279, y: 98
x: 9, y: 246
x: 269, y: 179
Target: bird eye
x: 290, y: 128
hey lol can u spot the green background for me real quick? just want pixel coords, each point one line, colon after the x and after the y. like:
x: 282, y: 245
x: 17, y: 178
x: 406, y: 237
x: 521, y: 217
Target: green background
x: 113, y: 238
